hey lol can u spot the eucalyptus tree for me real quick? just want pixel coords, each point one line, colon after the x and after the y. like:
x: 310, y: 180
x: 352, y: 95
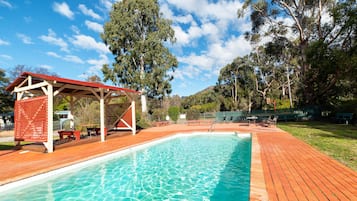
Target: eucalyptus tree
x: 282, y: 50
x: 236, y: 81
x: 6, y: 99
x: 266, y: 74
x: 302, y: 22
x: 136, y: 35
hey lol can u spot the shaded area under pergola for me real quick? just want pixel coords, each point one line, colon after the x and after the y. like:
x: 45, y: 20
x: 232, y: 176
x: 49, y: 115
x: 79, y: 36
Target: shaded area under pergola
x: 34, y: 104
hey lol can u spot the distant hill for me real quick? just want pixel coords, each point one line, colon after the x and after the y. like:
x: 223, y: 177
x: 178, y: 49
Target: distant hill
x: 207, y: 90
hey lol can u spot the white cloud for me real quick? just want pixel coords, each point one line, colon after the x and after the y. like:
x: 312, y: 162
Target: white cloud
x: 73, y: 59
x: 52, y: 39
x: 94, y: 26
x: 25, y: 39
x: 45, y: 66
x: 107, y: 4
x: 5, y: 56
x: 97, y: 64
x: 5, y: 3
x: 209, y: 63
x: 69, y: 58
x: 89, y: 43
x: 202, y: 62
x: 63, y: 9
x: 53, y: 54
x: 2, y: 42
x: 181, y: 36
x: 75, y: 29
x: 221, y: 10
x: 88, y: 12
x: 188, y: 71
x: 208, y: 36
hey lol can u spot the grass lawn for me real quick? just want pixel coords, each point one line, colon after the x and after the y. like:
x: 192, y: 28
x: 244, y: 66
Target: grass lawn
x: 7, y: 145
x: 336, y: 140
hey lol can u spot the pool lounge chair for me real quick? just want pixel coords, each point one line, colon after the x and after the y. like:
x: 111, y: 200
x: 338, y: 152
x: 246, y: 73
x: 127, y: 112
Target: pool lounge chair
x: 270, y: 121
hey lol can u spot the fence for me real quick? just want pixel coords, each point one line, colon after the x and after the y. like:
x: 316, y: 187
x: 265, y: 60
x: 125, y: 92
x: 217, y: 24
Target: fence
x: 307, y: 113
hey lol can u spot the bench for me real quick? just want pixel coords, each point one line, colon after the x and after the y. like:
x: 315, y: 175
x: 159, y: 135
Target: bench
x: 70, y: 134
x: 91, y: 131
x: 270, y: 121
x: 199, y: 122
x: 344, y: 117
x: 161, y: 123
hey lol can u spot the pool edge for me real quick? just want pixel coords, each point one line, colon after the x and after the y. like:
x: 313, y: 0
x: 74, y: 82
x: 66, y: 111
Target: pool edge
x: 258, y: 189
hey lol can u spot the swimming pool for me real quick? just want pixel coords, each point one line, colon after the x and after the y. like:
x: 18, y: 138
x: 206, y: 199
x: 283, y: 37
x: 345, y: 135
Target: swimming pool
x: 183, y: 167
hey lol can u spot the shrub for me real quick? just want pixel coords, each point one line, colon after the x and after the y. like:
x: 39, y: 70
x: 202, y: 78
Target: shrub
x: 192, y: 114
x: 174, y: 112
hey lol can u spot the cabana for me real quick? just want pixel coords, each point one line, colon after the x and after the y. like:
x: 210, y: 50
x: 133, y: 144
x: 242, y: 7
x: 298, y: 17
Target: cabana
x: 34, y: 105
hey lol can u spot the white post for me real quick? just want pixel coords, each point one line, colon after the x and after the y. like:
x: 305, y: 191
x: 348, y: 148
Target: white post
x: 133, y: 119
x: 49, y: 143
x: 143, y: 103
x: 102, y: 125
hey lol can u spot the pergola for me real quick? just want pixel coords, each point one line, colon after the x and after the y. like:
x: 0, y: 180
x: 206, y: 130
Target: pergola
x: 34, y: 104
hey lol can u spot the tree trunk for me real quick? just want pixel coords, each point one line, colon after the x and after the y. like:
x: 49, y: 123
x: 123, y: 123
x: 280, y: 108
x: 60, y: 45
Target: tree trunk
x: 143, y: 102
x: 142, y: 76
x: 289, y: 88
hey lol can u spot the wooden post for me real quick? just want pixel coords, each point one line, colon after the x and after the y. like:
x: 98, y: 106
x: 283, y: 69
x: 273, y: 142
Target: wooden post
x: 102, y: 124
x: 49, y: 143
x: 133, y: 117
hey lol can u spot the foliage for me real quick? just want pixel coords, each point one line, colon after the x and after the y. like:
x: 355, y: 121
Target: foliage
x: 237, y: 84
x: 207, y: 107
x: 349, y: 106
x: 192, y: 114
x: 206, y: 97
x: 158, y: 114
x: 86, y: 112
x: 282, y: 104
x: 174, y: 113
x: 337, y: 141
x: 141, y: 121
x: 330, y: 72
x: 338, y: 32
x: 135, y: 34
x: 6, y: 99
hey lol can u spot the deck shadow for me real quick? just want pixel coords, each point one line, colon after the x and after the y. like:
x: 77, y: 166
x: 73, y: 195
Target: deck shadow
x: 235, y: 180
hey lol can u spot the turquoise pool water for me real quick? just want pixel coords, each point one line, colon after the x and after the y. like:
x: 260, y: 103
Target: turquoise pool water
x: 198, y: 167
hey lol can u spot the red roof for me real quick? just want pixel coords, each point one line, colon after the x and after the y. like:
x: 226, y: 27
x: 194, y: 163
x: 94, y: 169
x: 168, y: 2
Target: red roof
x: 42, y: 77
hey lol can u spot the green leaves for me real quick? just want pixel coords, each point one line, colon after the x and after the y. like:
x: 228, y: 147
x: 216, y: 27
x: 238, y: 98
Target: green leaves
x: 6, y: 99
x: 136, y: 33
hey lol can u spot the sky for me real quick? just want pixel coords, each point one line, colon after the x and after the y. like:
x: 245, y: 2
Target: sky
x: 64, y: 37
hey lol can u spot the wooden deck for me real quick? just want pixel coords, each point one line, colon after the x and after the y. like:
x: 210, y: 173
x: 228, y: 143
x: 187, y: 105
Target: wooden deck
x: 283, y: 168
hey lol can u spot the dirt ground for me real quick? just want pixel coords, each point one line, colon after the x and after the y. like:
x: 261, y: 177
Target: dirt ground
x: 6, y: 133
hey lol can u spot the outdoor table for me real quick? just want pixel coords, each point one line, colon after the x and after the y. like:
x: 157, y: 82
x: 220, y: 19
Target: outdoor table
x: 91, y: 130
x: 252, y: 118
x: 70, y: 133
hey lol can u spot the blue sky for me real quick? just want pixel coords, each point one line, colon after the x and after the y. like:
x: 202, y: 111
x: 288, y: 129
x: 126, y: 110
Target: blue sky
x: 64, y: 37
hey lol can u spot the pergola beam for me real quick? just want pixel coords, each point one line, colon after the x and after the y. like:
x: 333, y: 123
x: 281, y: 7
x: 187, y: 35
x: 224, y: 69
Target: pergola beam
x: 49, y: 143
x: 30, y: 85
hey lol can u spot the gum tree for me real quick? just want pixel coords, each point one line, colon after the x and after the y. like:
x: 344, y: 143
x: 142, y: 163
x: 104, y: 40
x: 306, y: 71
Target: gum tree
x: 136, y: 35
x: 332, y: 23
x: 6, y: 99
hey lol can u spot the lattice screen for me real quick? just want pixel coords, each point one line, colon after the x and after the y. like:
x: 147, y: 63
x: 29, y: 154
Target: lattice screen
x: 126, y: 117
x: 31, y: 119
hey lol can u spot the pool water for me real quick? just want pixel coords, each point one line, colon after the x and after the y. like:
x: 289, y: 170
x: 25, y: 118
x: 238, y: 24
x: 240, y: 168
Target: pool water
x: 198, y: 167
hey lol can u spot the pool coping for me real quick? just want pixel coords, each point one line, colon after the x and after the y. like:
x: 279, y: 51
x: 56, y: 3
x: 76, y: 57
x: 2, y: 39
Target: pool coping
x: 107, y: 156
x: 257, y: 183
